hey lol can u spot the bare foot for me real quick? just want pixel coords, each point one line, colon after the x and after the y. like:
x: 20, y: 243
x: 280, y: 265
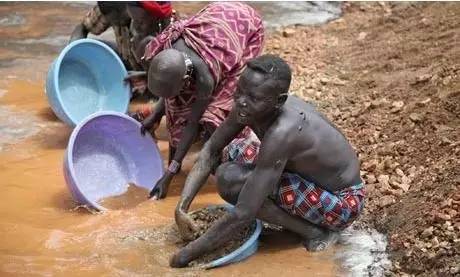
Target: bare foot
x: 322, y: 242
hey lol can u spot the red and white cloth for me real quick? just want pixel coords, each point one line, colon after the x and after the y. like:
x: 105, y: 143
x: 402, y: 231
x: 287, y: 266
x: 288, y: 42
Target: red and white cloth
x: 226, y: 35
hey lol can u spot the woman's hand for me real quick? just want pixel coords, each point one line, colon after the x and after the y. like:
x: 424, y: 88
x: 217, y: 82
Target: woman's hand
x: 161, y: 188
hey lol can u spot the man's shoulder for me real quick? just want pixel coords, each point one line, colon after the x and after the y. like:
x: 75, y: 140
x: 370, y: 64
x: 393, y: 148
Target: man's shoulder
x: 280, y: 132
x: 294, y: 122
x: 295, y: 115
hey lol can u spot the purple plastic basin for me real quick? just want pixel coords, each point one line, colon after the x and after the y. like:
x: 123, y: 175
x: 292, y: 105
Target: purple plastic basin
x: 106, y: 151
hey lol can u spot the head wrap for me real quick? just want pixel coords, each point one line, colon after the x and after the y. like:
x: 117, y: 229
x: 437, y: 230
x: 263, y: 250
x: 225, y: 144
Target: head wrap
x: 158, y: 9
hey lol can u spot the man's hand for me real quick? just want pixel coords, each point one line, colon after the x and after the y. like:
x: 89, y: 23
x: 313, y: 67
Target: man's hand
x: 187, y: 228
x: 161, y: 188
x: 180, y: 259
x: 78, y: 33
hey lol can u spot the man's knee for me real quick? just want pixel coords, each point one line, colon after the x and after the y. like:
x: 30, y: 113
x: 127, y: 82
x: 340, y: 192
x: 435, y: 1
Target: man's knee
x: 228, y: 181
x: 227, y: 174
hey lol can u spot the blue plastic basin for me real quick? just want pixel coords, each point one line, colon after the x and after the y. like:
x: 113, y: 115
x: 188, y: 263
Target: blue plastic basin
x: 87, y: 77
x: 244, y: 251
x: 106, y: 151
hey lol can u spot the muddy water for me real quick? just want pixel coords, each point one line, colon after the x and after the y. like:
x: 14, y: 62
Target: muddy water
x: 42, y: 231
x: 132, y: 197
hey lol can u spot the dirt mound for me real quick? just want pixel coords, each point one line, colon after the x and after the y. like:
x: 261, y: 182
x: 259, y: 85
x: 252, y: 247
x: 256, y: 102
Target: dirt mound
x: 388, y: 74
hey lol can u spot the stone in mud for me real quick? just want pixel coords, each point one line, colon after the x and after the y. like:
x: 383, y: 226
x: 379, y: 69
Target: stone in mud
x: 423, y: 102
x: 395, y: 192
x: 386, y: 200
x: 322, y: 81
x: 445, y: 141
x: 447, y: 203
x: 435, y: 242
x: 362, y: 36
x: 371, y: 179
x: 428, y: 232
x: 455, y: 270
x: 416, y: 118
x: 440, y: 217
x: 383, y: 179
x: 399, y: 172
x: 288, y: 32
x: 376, y: 104
x: 403, y: 186
x: 405, y: 180
x: 397, y: 106
x: 422, y: 79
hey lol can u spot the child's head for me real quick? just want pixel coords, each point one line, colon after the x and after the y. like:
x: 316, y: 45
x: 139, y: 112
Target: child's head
x: 114, y: 12
x: 166, y: 73
x: 262, y: 88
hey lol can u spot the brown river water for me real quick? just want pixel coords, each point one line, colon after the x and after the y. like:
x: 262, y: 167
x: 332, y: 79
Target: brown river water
x: 42, y: 231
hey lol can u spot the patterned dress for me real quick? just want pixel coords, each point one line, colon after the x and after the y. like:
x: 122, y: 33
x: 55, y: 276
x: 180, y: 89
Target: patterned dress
x: 225, y: 35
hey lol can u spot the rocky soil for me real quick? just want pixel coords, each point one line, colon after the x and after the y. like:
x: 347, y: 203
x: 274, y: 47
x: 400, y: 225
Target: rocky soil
x: 388, y: 74
x: 204, y: 219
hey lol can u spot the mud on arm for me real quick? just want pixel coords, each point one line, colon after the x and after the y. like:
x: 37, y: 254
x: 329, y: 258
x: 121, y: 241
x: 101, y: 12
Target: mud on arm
x: 208, y: 160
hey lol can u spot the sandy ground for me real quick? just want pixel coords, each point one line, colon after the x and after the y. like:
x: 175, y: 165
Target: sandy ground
x: 388, y: 75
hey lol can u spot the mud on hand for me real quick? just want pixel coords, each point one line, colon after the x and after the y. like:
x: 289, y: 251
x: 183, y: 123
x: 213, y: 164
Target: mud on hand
x: 186, y: 225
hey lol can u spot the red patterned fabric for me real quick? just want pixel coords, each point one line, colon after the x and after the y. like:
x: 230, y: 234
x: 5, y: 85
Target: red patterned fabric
x: 332, y: 210
x: 225, y: 35
x: 243, y: 149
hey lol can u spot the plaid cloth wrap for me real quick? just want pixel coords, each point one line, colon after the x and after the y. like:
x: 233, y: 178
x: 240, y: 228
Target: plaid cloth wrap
x: 297, y: 196
x: 332, y: 210
x: 243, y: 149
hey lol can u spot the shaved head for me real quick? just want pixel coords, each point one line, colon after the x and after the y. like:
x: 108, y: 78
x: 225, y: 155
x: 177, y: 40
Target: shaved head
x: 166, y: 72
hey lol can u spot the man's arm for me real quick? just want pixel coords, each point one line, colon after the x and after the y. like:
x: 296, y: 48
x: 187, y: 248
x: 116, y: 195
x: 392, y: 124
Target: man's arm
x: 270, y: 165
x: 155, y: 117
x: 94, y: 22
x: 208, y: 160
x: 78, y: 33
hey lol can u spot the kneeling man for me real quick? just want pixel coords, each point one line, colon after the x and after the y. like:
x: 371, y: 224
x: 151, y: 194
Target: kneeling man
x: 296, y: 170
